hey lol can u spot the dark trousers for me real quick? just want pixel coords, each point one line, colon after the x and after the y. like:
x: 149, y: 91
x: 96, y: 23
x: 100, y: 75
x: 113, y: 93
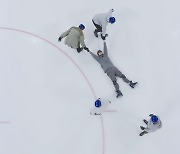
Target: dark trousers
x: 98, y: 27
x: 112, y: 73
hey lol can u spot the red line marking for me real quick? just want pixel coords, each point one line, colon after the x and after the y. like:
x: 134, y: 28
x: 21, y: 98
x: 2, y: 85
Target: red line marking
x: 17, y: 30
x: 81, y: 71
x: 4, y: 122
x: 103, y: 135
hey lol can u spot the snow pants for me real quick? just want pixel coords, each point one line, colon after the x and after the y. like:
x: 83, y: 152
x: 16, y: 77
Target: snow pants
x: 112, y: 73
x: 98, y: 27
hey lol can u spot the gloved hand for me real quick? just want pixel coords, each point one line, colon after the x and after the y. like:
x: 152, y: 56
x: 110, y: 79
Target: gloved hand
x: 87, y: 49
x: 59, y: 40
x: 103, y: 37
x: 151, y: 115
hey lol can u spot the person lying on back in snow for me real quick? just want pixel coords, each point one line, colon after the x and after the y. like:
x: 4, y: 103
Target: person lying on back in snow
x: 74, y: 38
x: 101, y: 21
x: 103, y: 59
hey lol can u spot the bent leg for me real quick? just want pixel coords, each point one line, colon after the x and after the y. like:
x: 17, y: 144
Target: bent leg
x: 98, y: 27
x: 111, y: 75
x: 122, y: 76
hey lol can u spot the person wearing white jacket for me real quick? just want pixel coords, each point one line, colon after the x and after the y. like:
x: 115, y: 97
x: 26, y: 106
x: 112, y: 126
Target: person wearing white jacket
x: 75, y: 38
x: 101, y: 20
x: 100, y: 106
x: 153, y: 124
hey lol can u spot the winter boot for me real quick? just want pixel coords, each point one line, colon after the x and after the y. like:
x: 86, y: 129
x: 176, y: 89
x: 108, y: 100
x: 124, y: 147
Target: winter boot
x: 132, y: 84
x: 119, y: 93
x: 97, y: 113
x: 142, y: 127
x: 79, y: 49
x: 145, y: 121
x: 142, y: 133
x: 96, y: 33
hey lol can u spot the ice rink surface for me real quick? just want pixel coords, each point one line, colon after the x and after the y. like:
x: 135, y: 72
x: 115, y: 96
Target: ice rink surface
x: 47, y: 89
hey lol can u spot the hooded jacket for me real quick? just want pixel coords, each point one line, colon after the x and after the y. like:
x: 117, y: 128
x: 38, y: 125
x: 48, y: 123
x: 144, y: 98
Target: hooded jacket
x: 102, y: 19
x: 74, y: 37
x: 153, y: 127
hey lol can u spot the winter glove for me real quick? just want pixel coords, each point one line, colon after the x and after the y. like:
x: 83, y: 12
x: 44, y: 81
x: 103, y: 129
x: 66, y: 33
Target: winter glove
x: 103, y: 37
x: 59, y: 40
x: 87, y: 49
x: 151, y: 115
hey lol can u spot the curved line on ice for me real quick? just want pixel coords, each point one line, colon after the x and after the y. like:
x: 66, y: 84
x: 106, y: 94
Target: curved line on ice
x: 47, y: 41
x: 12, y: 29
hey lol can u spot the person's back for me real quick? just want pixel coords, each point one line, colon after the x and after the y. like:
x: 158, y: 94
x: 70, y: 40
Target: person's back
x: 74, y: 37
x: 152, y: 127
x: 153, y: 124
x: 101, y: 20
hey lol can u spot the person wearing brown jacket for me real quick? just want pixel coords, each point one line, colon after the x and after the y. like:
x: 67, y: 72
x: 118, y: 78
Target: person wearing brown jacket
x: 74, y: 38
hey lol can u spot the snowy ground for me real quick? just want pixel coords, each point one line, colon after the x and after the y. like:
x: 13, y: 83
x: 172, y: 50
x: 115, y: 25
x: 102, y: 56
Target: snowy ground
x: 47, y: 89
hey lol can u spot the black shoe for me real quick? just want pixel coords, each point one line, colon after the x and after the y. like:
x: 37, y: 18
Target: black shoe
x: 145, y: 121
x: 142, y: 133
x: 97, y: 113
x: 79, y: 49
x: 96, y: 33
x: 132, y: 84
x: 119, y: 93
x: 142, y: 127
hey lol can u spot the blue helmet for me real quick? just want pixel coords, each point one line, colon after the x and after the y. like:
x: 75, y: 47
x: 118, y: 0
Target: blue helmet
x: 154, y: 119
x: 81, y: 26
x: 97, y: 103
x: 112, y: 20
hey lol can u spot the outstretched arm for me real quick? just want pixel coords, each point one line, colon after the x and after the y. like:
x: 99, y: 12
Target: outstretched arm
x: 105, y: 49
x: 94, y: 56
x: 65, y: 33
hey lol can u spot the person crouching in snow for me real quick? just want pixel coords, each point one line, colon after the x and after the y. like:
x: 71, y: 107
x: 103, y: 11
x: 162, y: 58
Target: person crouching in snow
x: 99, y: 106
x: 101, y: 21
x: 74, y: 37
x: 153, y: 124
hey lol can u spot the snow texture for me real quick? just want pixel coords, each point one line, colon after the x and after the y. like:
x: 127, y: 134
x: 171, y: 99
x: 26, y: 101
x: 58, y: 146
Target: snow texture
x: 47, y: 89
